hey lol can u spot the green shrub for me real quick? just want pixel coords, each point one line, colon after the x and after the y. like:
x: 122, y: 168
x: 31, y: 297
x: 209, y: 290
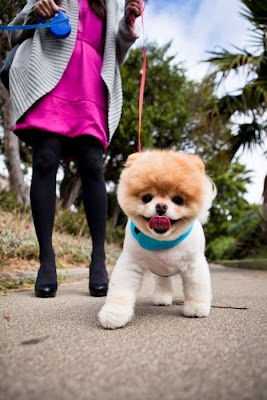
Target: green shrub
x: 114, y: 235
x: 74, y: 223
x: 28, y: 251
x: 8, y: 202
x: 221, y: 248
x: 79, y: 258
x: 13, y: 244
x: 9, y: 243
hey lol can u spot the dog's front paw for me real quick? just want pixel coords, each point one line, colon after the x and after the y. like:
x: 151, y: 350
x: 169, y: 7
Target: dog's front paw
x: 113, y: 316
x: 196, y: 309
x: 162, y: 299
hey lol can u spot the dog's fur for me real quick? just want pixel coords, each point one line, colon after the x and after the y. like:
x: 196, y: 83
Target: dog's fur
x: 173, y: 184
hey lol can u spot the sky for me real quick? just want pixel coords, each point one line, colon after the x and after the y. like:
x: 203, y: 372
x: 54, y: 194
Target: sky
x: 196, y: 27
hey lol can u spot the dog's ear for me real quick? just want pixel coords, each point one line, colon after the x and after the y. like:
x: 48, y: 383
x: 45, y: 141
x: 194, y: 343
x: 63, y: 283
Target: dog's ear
x: 131, y: 159
x: 197, y: 161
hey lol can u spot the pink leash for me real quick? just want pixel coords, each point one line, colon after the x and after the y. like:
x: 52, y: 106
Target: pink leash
x: 143, y: 78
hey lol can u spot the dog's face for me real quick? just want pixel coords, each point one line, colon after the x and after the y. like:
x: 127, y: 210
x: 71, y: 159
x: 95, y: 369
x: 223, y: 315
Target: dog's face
x: 163, y: 191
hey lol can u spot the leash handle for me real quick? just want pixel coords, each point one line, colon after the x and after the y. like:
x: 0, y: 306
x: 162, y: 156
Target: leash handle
x: 143, y: 78
x: 60, y: 25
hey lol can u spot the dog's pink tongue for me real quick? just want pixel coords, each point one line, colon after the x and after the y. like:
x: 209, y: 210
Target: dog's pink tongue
x: 159, y: 223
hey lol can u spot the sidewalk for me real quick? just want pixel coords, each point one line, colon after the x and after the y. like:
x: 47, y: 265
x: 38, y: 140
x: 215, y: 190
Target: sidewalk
x: 55, y: 349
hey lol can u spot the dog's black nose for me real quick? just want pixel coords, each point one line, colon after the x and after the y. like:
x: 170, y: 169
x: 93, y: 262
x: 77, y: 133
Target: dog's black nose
x: 161, y: 208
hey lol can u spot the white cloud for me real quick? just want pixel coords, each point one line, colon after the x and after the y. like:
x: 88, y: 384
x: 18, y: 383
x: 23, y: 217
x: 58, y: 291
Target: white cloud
x: 216, y: 23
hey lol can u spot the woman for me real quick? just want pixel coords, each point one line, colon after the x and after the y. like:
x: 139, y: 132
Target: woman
x: 67, y: 100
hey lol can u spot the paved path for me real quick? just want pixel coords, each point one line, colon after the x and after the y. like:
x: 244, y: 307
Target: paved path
x: 54, y: 349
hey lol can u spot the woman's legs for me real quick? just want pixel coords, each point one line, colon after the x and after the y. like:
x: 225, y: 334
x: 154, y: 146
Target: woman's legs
x: 45, y: 161
x: 89, y: 154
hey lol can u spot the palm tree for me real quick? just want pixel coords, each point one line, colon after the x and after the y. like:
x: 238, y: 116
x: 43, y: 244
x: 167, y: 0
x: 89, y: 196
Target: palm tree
x: 252, y: 98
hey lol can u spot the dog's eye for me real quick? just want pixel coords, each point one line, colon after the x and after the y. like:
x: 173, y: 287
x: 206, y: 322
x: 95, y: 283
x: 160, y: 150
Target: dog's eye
x: 178, y: 200
x: 147, y: 198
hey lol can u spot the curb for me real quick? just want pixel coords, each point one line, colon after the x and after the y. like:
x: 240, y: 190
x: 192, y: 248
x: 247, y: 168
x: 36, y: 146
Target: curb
x: 63, y: 275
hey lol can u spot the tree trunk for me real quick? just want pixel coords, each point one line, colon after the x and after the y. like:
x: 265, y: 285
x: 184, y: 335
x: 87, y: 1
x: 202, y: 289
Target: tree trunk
x: 115, y: 216
x: 16, y: 178
x: 72, y: 194
x: 69, y: 188
x: 264, y: 204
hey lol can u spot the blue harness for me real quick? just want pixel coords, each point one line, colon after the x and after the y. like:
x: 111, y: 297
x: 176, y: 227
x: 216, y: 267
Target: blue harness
x: 148, y: 243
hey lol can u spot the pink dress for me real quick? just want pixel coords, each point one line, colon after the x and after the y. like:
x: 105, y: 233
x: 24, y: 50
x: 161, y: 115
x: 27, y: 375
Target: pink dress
x: 78, y: 104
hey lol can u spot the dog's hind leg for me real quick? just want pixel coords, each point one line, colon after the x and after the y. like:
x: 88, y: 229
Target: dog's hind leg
x: 163, y: 291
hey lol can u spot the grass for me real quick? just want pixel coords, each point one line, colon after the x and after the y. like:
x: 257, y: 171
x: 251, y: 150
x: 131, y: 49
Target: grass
x: 19, y: 251
x: 12, y: 284
x: 7, y: 283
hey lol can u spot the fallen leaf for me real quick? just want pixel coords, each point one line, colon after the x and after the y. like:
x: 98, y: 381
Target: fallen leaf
x: 7, y: 315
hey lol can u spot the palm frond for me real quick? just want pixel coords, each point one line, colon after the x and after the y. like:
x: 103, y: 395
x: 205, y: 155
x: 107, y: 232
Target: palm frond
x: 249, y: 135
x: 255, y: 11
x: 252, y: 99
x: 260, y: 91
x: 254, y: 95
x: 226, y: 61
x: 225, y: 107
x: 256, y: 37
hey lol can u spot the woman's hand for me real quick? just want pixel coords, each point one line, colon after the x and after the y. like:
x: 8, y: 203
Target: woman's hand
x: 47, y: 8
x: 132, y: 7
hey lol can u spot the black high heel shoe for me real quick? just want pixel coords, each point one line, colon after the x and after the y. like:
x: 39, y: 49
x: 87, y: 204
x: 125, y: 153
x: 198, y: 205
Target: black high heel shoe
x: 99, y: 290
x: 46, y: 290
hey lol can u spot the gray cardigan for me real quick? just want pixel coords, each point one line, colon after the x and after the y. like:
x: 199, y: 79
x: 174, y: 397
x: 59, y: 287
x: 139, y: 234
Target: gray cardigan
x: 41, y: 59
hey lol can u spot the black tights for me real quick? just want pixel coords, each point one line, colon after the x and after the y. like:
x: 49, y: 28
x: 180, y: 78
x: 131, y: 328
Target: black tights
x: 46, y: 156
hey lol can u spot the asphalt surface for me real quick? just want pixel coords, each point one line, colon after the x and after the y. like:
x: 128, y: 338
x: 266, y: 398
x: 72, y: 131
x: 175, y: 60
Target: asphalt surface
x: 55, y: 348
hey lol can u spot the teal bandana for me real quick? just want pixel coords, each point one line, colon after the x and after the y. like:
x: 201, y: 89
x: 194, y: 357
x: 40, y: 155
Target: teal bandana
x: 149, y: 243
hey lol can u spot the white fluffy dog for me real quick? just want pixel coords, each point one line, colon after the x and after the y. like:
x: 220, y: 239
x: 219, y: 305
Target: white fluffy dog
x: 166, y: 196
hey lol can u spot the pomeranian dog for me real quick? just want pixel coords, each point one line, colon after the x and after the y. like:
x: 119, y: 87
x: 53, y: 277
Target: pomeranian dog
x: 166, y: 196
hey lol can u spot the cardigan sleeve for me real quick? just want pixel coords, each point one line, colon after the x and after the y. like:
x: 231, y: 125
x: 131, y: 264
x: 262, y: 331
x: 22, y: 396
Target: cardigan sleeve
x: 124, y: 40
x: 26, y: 16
